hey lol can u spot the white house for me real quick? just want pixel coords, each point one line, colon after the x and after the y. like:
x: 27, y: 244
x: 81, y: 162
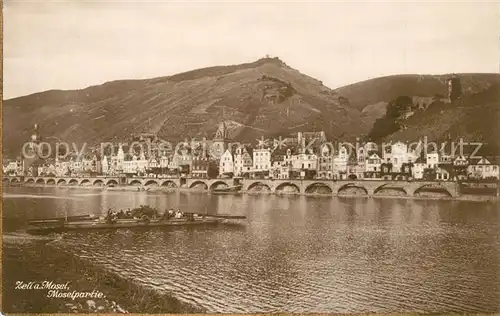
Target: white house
x: 482, y: 169
x: 304, y: 161
x: 373, y: 163
x: 460, y: 161
x: 418, y: 168
x: 340, y: 163
x: 13, y: 167
x: 261, y: 159
x: 432, y: 160
x: 105, y: 165
x: 226, y: 163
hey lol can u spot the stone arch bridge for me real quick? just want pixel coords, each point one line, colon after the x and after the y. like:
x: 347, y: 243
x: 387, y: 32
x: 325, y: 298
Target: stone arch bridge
x: 329, y: 187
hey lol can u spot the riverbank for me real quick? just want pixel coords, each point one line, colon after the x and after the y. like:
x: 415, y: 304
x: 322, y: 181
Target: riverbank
x: 35, y: 259
x: 464, y: 197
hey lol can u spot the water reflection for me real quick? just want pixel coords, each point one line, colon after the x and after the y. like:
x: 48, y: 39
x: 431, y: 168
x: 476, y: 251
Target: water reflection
x: 296, y: 253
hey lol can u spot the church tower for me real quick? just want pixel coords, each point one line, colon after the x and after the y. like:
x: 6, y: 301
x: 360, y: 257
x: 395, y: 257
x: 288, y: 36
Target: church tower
x: 30, y: 153
x: 35, y: 139
x: 220, y: 141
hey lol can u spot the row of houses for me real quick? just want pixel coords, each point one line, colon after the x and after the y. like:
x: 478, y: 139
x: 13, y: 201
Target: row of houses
x: 305, y: 155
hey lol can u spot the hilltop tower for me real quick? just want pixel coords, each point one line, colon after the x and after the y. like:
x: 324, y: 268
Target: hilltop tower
x: 454, y: 88
x: 220, y: 141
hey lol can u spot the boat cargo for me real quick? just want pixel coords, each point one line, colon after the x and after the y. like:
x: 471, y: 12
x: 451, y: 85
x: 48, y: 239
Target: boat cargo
x: 89, y: 222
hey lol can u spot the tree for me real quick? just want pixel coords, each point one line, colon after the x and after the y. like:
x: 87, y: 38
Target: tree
x: 213, y: 169
x: 399, y: 106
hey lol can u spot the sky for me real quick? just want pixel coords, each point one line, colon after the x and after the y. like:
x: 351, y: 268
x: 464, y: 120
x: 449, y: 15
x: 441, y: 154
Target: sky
x: 74, y: 44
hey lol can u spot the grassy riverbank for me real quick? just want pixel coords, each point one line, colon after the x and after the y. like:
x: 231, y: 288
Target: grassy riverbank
x: 35, y: 260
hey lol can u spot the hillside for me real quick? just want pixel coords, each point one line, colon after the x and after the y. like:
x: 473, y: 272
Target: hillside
x: 372, y: 96
x: 474, y: 118
x: 263, y: 98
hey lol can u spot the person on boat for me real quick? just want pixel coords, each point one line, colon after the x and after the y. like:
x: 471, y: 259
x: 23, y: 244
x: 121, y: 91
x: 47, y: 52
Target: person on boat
x: 178, y: 214
x: 128, y: 213
x: 108, y: 215
x: 111, y: 217
x: 120, y: 214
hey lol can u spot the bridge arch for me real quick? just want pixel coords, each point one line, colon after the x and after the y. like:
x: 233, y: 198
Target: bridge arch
x: 98, y: 182
x: 428, y: 188
x: 151, y: 183
x: 135, y: 182
x: 199, y: 183
x: 29, y: 180
x: 85, y: 182
x: 287, y: 187
x: 345, y: 188
x: 169, y: 184
x: 216, y: 184
x: 61, y: 182
x: 112, y: 182
x: 40, y: 181
x: 259, y: 186
x: 318, y: 187
x: 73, y: 182
x: 51, y: 181
x: 388, y: 187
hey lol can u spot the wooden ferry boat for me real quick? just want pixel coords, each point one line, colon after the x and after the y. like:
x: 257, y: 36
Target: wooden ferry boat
x: 229, y: 190
x: 89, y: 222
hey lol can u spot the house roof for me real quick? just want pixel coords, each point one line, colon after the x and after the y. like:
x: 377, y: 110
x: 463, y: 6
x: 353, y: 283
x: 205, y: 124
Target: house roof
x: 420, y: 159
x: 447, y: 167
x: 377, y: 152
x: 477, y: 161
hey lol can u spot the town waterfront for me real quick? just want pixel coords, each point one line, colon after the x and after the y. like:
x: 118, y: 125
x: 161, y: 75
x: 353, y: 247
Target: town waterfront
x: 294, y: 254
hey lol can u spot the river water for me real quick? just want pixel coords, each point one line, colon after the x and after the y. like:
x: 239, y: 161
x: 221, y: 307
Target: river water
x: 294, y: 254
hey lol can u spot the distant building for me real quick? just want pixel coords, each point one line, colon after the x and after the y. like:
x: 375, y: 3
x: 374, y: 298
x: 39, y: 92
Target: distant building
x: 281, y: 159
x: 418, y: 168
x: 340, y: 164
x: 443, y: 172
x: 226, y: 163
x: 482, y: 169
x: 454, y: 88
x: 325, y: 162
x: 373, y: 164
x: 432, y: 160
x: 397, y: 154
x: 242, y: 161
x: 261, y: 159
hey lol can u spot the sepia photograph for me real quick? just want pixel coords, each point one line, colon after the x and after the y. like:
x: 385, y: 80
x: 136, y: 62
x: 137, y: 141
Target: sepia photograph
x: 243, y: 157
